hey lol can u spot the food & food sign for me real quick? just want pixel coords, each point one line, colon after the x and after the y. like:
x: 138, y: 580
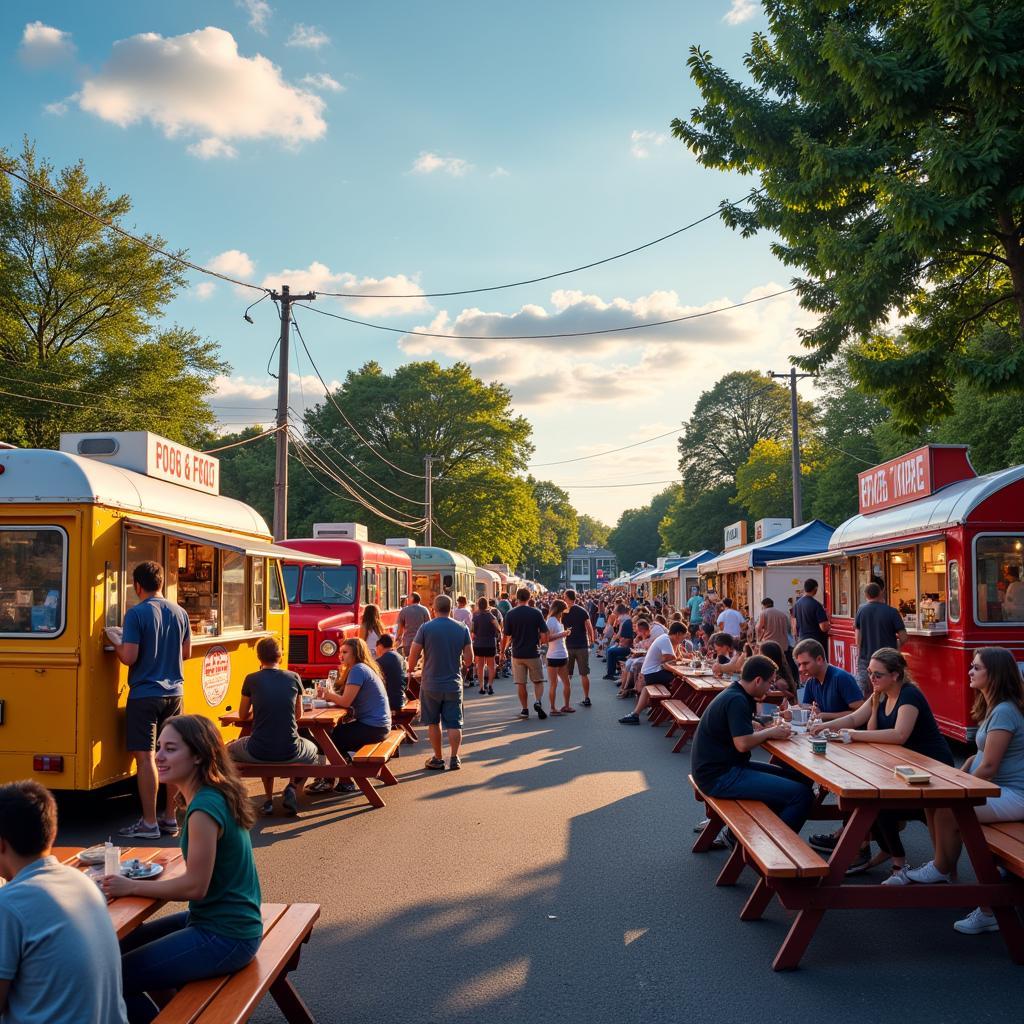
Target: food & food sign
x: 912, y: 476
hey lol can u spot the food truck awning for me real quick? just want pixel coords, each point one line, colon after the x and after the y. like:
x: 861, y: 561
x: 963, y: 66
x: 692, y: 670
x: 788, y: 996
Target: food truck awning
x: 231, y: 542
x: 801, y: 540
x: 839, y: 554
x: 949, y: 506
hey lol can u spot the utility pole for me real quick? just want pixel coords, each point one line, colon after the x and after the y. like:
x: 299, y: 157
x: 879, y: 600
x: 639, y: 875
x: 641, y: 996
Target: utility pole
x: 795, y: 426
x: 285, y: 297
x: 428, y: 476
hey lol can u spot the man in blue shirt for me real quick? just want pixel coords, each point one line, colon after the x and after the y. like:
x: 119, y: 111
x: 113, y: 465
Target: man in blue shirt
x: 694, y: 604
x: 835, y: 692
x: 445, y: 645
x: 59, y: 959
x: 622, y: 644
x: 156, y: 641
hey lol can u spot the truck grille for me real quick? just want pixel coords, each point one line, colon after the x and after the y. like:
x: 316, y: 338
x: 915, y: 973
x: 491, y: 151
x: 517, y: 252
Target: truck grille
x: 298, y: 649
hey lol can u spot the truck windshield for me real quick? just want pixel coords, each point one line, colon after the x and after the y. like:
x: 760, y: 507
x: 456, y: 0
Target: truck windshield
x: 291, y: 582
x: 328, y: 585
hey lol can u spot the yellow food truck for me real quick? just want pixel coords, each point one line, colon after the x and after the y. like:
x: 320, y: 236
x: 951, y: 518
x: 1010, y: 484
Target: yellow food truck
x: 73, y: 525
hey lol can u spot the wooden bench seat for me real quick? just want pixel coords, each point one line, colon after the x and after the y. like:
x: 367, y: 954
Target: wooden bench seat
x: 683, y: 718
x: 656, y: 693
x: 764, y: 842
x: 1006, y: 841
x: 404, y: 717
x: 234, y: 997
x: 382, y: 752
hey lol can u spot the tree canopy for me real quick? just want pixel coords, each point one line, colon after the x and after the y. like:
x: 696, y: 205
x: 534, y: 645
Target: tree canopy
x: 888, y: 140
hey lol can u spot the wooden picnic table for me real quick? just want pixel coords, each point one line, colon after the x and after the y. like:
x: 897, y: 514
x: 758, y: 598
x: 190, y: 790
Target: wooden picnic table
x: 860, y: 776
x: 695, y: 689
x: 319, y: 722
x: 128, y: 912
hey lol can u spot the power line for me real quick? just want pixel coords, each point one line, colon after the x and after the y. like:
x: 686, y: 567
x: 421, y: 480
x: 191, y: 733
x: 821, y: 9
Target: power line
x: 245, y: 440
x: 341, y: 411
x: 644, y: 483
x: 47, y: 191
x: 611, y: 451
x: 537, y: 280
x: 542, y: 337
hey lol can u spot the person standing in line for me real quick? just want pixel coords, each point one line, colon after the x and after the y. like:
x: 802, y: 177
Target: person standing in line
x: 504, y: 604
x: 371, y: 627
x: 462, y: 613
x: 730, y: 620
x: 694, y: 605
x: 59, y: 959
x: 447, y: 650
x: 812, y: 621
x: 878, y: 625
x: 156, y: 640
x: 486, y: 634
x: 558, y: 658
x: 410, y: 619
x: 525, y: 630
x: 579, y: 641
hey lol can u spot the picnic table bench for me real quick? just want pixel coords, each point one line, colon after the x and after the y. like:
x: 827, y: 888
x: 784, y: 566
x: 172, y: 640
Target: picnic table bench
x: 232, y: 997
x: 404, y: 717
x: 368, y: 763
x: 1006, y: 842
x: 683, y: 718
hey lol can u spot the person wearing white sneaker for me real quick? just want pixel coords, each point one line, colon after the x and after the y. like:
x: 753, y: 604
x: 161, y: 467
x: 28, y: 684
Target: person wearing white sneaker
x: 976, y: 922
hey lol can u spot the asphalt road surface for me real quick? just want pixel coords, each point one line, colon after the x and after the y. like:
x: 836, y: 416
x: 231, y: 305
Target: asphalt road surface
x: 551, y: 879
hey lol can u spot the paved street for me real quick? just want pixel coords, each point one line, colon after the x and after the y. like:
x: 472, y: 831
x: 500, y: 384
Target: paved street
x: 552, y: 877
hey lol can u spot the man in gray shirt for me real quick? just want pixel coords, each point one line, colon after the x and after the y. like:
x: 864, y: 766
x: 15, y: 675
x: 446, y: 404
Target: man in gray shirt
x: 410, y: 618
x: 59, y: 959
x: 446, y: 648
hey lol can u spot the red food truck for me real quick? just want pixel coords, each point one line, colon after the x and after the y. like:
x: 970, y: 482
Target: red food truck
x: 947, y: 548
x: 326, y: 603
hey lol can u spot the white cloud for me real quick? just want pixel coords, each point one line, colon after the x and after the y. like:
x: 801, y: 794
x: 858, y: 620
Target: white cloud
x: 234, y: 263
x: 198, y: 84
x: 640, y: 142
x: 259, y: 12
x: 43, y: 44
x: 499, y: 172
x: 318, y: 277
x: 741, y: 11
x: 308, y: 37
x: 58, y: 109
x: 428, y: 163
x: 323, y: 81
x: 204, y: 290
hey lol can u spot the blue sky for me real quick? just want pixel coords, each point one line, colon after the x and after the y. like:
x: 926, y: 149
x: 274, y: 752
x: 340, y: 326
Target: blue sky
x: 426, y: 147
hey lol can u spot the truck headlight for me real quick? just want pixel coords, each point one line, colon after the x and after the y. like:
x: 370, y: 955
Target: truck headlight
x: 328, y: 648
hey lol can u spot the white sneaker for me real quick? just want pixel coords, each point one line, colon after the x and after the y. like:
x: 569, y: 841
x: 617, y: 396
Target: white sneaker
x: 701, y: 825
x: 898, y: 877
x: 976, y: 922
x: 927, y: 874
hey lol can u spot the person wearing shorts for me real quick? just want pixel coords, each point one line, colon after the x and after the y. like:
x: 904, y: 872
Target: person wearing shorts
x: 485, y: 632
x: 156, y: 640
x: 580, y: 624
x: 558, y: 659
x: 525, y: 629
x: 447, y: 650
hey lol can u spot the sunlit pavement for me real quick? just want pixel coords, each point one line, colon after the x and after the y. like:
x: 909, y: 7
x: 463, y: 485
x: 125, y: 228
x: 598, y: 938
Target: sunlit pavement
x: 551, y: 877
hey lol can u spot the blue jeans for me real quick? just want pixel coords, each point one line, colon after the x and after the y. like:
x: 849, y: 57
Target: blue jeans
x: 789, y: 795
x: 613, y: 657
x: 169, y: 953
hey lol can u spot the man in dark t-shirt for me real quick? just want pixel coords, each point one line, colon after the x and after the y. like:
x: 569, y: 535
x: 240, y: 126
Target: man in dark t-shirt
x: 525, y: 629
x: 812, y: 622
x: 878, y: 625
x: 578, y: 621
x: 622, y: 644
x: 274, y: 698
x: 392, y: 668
x: 723, y: 742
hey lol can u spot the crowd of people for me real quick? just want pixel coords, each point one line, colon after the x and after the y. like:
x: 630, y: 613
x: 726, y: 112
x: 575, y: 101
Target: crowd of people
x: 53, y: 921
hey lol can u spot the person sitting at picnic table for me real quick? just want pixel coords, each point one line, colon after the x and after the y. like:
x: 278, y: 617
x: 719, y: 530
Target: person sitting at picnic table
x: 59, y: 959
x: 622, y: 642
x: 828, y: 690
x: 999, y: 711
x: 727, y: 659
x: 222, y: 929
x: 392, y: 669
x: 631, y: 666
x: 722, y: 745
x: 784, y: 681
x: 272, y: 698
x: 896, y: 712
x: 663, y: 649
x: 361, y: 689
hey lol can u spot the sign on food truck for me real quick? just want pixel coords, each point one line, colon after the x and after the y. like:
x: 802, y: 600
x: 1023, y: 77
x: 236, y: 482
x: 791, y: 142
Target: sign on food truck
x: 735, y: 535
x: 912, y: 476
x: 149, y: 454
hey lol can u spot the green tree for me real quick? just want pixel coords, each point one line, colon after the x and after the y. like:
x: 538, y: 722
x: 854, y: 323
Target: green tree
x: 635, y: 537
x: 742, y: 408
x: 80, y: 308
x: 593, y: 531
x: 557, y: 532
x: 889, y: 143
x: 764, y: 483
x: 694, y: 525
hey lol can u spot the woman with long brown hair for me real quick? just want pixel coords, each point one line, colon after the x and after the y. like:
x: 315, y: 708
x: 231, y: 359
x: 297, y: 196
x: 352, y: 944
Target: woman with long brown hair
x: 784, y: 680
x: 371, y: 627
x: 361, y: 689
x: 222, y: 928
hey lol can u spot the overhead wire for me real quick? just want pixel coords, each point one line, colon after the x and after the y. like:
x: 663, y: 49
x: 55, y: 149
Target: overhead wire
x: 545, y: 337
x: 341, y: 412
x: 245, y: 440
x: 611, y: 451
x: 543, y: 277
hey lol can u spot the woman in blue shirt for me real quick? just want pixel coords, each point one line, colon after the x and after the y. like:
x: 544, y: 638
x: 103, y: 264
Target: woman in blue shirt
x: 999, y: 710
x: 360, y: 688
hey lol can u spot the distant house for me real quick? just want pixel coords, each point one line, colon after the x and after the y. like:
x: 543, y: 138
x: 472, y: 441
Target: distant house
x: 589, y: 566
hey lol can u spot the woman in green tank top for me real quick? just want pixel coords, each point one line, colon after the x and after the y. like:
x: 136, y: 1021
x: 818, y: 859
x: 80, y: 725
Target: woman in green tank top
x: 222, y: 928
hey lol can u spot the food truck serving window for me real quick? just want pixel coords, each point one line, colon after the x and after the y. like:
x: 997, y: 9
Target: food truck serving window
x: 999, y: 578
x: 33, y: 580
